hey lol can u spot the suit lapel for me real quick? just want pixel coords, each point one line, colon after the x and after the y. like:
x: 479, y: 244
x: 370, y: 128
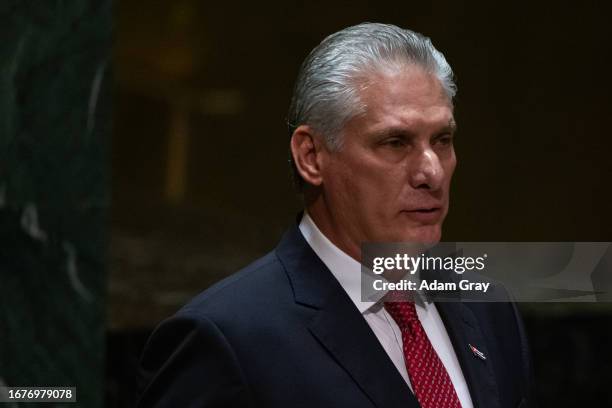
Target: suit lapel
x: 340, y: 328
x: 347, y: 337
x: 463, y: 330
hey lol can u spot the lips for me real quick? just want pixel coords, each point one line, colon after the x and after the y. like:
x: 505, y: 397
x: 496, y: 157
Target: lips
x: 424, y: 214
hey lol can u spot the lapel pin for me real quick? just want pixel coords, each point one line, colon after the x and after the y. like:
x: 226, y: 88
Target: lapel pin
x: 477, y: 352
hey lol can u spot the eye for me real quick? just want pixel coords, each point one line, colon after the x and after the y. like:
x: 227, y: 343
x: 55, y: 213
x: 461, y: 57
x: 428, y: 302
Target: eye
x: 394, y: 142
x: 444, y: 140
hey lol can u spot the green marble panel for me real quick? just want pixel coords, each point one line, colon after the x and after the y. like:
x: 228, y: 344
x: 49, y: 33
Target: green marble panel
x: 54, y: 193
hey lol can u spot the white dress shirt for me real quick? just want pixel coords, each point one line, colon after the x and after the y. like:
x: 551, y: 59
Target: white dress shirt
x: 347, y: 271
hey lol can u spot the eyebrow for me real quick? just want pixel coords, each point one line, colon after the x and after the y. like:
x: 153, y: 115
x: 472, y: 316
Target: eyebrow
x: 451, y: 127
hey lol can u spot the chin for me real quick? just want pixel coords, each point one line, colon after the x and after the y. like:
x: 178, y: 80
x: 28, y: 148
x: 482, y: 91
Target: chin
x: 428, y: 234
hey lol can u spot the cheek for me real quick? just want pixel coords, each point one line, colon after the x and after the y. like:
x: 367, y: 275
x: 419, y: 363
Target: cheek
x: 347, y: 174
x: 376, y: 188
x: 364, y: 184
x: 342, y: 184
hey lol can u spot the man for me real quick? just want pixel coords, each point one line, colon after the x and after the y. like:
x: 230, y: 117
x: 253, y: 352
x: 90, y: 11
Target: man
x: 372, y: 146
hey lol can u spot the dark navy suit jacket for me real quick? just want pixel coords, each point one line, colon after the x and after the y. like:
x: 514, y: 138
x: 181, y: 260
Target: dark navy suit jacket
x: 283, y: 333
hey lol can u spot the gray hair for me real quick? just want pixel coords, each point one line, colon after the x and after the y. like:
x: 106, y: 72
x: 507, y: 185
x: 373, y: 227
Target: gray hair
x: 326, y: 95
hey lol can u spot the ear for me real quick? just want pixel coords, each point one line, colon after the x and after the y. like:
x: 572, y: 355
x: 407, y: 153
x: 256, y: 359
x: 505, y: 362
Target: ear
x: 306, y: 150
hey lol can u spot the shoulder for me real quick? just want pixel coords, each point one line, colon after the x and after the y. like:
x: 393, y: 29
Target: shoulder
x: 206, y: 337
x: 261, y: 286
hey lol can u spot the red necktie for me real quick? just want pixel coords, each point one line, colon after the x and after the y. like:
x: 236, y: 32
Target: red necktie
x: 430, y: 381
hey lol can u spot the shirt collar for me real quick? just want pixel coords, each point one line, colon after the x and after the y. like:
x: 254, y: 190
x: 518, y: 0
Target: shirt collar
x: 345, y: 269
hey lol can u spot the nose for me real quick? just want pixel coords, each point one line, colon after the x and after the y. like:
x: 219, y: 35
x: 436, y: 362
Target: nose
x: 426, y: 171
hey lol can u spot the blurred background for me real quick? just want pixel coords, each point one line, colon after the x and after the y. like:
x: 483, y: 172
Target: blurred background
x: 143, y: 157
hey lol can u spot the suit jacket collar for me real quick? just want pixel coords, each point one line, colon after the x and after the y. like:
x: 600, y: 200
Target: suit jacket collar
x: 311, y: 281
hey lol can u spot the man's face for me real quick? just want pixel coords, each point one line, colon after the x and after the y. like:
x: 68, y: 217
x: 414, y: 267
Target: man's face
x: 390, y: 179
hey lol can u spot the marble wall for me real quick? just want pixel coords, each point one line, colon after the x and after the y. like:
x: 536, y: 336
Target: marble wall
x: 54, y: 193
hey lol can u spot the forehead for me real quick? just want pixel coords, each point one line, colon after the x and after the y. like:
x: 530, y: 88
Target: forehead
x: 407, y: 97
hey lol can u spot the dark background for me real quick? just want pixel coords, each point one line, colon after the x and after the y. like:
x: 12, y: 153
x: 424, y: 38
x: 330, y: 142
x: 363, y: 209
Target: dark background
x: 143, y: 157
x: 200, y: 143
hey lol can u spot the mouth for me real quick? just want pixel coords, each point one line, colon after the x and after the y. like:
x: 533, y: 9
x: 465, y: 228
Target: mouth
x: 425, y: 210
x: 425, y: 215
